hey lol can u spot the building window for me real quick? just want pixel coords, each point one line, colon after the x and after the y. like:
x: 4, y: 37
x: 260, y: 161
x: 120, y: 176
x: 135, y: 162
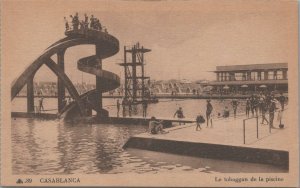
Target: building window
x: 271, y: 75
x: 249, y: 75
x: 232, y: 76
x: 279, y: 75
x: 285, y: 74
x: 244, y: 76
x: 253, y: 76
x: 239, y: 76
x: 262, y: 76
x: 226, y: 76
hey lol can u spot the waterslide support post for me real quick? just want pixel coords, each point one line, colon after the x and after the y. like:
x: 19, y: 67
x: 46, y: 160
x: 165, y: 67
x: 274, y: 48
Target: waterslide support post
x: 257, y: 127
x: 30, y: 95
x: 60, y: 85
x: 244, y: 132
x: 98, y: 82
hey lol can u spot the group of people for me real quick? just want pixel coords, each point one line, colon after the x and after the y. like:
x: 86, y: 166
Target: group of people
x: 260, y: 104
x: 199, y: 119
x: 127, y: 104
x: 92, y: 23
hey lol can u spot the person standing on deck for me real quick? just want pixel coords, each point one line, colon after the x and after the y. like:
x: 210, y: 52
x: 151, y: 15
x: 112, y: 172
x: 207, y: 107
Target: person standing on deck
x: 86, y: 21
x: 264, y: 108
x: 272, y: 109
x: 282, y: 101
x: 248, y: 106
x: 179, y: 114
x: 82, y: 26
x: 92, y: 22
x: 130, y: 107
x: 145, y: 106
x: 69, y: 100
x: 260, y: 102
x: 252, y: 104
x: 209, y: 109
x: 118, y: 107
x: 226, y: 112
x: 75, y: 21
x: 256, y: 104
x: 41, y: 106
x: 234, y: 104
x: 98, y: 24
x: 124, y: 102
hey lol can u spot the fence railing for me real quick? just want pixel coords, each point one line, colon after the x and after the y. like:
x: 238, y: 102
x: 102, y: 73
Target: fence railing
x: 280, y: 114
x: 244, y: 128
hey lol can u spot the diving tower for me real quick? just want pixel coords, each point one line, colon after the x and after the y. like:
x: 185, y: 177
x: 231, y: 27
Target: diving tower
x: 135, y: 79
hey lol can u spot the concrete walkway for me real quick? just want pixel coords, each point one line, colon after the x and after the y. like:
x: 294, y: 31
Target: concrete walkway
x: 230, y: 132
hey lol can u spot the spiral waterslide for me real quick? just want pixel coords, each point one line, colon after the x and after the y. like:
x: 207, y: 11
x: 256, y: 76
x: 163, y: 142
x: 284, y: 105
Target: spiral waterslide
x: 106, y: 46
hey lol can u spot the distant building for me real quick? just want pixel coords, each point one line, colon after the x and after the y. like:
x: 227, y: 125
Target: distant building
x: 175, y: 87
x: 253, y: 77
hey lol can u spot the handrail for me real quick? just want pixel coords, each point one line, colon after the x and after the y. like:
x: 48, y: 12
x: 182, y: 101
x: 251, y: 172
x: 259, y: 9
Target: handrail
x: 270, y: 128
x: 244, y: 127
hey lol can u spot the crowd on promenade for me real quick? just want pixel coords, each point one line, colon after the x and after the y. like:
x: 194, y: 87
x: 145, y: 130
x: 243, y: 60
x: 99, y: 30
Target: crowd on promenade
x: 85, y: 24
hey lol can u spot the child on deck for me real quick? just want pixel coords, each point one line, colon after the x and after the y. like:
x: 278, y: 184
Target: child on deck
x: 199, y: 119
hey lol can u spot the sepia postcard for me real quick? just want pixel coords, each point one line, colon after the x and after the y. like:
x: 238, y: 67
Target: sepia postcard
x: 149, y: 93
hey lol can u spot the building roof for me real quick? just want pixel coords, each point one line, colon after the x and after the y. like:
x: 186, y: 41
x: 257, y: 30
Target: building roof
x: 252, y: 67
x: 250, y: 82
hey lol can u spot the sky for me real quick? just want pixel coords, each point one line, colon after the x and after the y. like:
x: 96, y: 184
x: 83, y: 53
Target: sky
x: 188, y: 39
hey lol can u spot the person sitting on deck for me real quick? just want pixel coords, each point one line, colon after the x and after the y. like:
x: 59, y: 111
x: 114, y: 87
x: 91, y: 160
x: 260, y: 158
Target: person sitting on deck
x: 156, y: 126
x: 179, y: 114
x: 226, y: 112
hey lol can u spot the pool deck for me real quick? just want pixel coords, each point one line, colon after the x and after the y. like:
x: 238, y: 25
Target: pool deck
x: 225, y: 137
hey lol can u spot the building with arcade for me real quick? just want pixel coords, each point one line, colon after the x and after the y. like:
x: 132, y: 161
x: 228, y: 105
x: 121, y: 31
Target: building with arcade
x: 250, y: 78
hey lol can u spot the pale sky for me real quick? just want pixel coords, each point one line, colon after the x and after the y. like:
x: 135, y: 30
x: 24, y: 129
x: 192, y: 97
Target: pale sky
x: 188, y: 38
